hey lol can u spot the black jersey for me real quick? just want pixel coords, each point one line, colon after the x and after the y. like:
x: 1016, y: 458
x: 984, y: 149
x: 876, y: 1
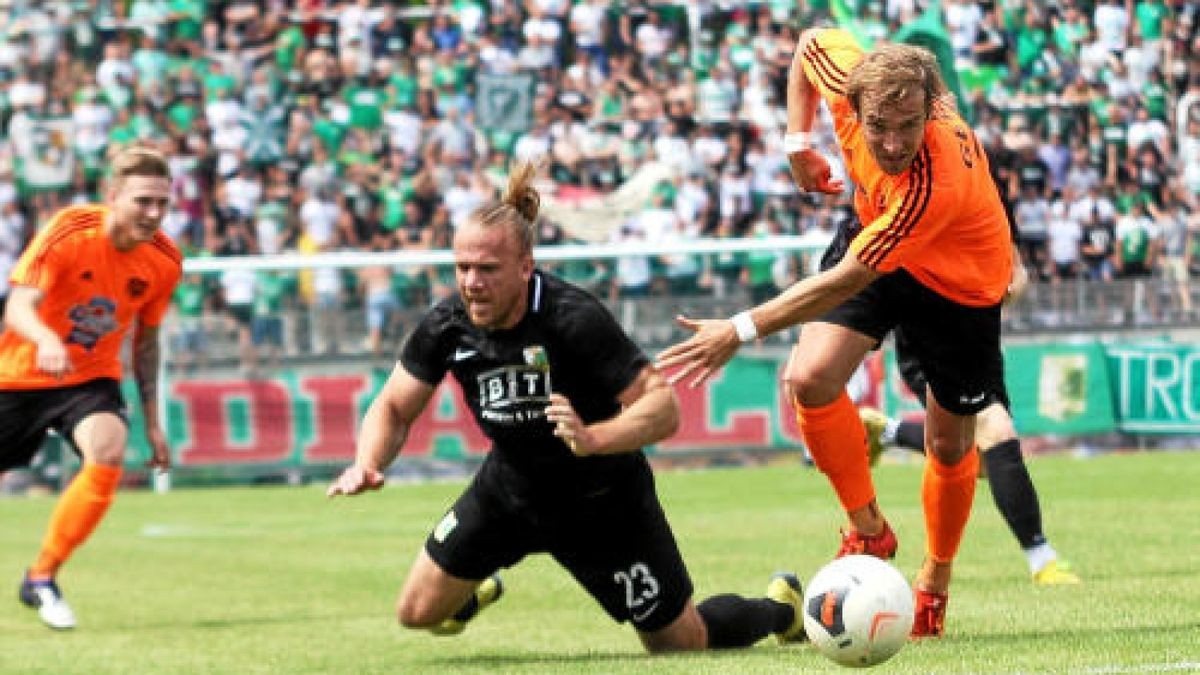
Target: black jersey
x: 567, y: 343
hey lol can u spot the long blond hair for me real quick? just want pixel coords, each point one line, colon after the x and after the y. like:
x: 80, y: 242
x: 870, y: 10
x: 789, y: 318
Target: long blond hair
x: 517, y: 209
x: 894, y: 70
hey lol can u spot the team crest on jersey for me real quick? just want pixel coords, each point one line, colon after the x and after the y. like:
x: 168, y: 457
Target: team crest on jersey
x: 137, y: 287
x: 535, y: 357
x: 92, y: 321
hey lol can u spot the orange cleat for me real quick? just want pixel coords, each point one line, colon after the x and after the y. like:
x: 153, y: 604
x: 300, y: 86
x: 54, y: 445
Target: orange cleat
x: 929, y: 618
x: 882, y: 545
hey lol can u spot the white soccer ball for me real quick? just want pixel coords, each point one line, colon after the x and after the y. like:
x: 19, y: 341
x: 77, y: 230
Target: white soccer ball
x: 858, y: 610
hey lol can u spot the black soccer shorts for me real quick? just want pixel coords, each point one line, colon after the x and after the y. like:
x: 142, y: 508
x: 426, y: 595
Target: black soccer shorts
x: 914, y: 377
x: 956, y: 347
x: 27, y: 414
x: 616, y: 543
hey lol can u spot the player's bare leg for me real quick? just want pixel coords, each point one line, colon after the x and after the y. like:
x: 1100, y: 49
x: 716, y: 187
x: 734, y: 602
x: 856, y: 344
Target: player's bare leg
x: 686, y: 633
x: 435, y: 599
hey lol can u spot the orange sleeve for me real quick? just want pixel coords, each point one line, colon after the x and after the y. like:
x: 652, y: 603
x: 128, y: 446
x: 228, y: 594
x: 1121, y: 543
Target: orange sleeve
x: 41, y: 262
x: 829, y: 56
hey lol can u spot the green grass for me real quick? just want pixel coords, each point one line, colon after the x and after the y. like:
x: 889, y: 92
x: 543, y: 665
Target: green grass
x: 280, y: 580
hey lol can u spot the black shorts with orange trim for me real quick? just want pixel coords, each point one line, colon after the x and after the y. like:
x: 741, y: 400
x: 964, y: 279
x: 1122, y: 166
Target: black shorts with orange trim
x: 955, y: 347
x: 27, y: 414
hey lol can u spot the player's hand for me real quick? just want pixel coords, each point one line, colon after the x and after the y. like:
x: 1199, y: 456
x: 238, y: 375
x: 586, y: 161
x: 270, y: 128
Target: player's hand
x: 568, y: 426
x: 715, y: 342
x: 52, y: 357
x: 354, y: 480
x: 1019, y: 282
x: 811, y: 172
x: 160, y: 452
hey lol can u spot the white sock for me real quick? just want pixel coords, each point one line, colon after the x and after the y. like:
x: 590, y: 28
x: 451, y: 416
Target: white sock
x: 888, y: 436
x: 1039, y: 556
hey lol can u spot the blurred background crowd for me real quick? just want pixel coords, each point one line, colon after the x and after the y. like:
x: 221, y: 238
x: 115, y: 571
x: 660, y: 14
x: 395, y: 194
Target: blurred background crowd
x: 325, y: 125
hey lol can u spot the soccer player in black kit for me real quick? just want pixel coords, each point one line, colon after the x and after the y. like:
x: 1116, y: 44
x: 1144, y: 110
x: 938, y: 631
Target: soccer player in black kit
x: 568, y: 401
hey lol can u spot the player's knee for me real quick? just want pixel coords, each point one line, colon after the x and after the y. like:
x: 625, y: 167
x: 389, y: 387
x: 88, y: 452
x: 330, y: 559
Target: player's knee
x: 993, y: 426
x: 416, y: 612
x: 948, y: 450
x: 687, y: 633
x: 809, y: 389
x: 101, y: 439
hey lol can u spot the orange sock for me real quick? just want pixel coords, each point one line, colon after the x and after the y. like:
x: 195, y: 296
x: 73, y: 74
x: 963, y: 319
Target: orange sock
x: 77, y: 514
x: 837, y: 442
x: 947, y: 493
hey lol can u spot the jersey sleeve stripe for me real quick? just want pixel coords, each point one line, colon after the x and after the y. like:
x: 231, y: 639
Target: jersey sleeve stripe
x: 923, y: 188
x: 909, y: 213
x: 81, y: 221
x: 171, y: 252
x: 871, y: 252
x: 832, y: 77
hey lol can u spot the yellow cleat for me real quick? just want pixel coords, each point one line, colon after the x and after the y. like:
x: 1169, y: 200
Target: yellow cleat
x: 1056, y: 573
x: 785, y: 588
x: 875, y: 422
x: 487, y: 592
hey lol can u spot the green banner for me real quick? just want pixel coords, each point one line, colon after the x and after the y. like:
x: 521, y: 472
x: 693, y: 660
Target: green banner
x: 1156, y: 387
x: 1059, y: 389
x: 308, y: 418
x: 1054, y: 389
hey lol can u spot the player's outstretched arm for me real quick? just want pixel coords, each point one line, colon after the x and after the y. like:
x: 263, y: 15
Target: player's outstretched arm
x: 714, y: 342
x: 383, y: 432
x: 649, y: 413
x: 21, y: 315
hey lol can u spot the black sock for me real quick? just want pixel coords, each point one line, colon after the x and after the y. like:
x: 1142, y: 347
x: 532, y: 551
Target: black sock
x: 911, y: 435
x: 468, y: 610
x: 734, y: 621
x: 1013, y: 492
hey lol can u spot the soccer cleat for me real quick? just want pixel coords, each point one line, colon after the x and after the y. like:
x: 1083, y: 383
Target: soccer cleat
x: 882, y: 545
x: 929, y: 614
x: 875, y: 422
x: 487, y: 592
x: 43, y: 595
x: 1056, y: 573
x: 785, y: 589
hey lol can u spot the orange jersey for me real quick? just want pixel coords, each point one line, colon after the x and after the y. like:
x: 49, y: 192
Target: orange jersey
x: 92, y: 292
x: 942, y: 219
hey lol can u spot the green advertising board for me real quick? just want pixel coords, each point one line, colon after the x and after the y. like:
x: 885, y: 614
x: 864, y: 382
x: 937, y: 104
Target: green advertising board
x: 1156, y: 387
x: 308, y: 418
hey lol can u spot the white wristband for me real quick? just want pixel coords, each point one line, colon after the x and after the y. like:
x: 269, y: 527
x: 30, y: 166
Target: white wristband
x: 797, y: 141
x: 744, y: 325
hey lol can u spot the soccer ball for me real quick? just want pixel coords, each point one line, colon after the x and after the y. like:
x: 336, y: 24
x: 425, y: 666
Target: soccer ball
x: 858, y: 610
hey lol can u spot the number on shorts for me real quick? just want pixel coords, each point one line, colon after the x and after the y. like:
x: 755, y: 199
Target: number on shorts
x: 639, y: 584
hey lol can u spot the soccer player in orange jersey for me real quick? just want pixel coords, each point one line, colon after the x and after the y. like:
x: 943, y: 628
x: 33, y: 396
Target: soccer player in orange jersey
x: 933, y: 259
x: 84, y: 280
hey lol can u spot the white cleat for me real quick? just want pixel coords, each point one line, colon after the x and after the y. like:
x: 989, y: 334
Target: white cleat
x: 52, y: 608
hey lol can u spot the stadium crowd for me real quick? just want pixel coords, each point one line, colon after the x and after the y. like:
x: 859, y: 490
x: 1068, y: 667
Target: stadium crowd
x: 327, y: 125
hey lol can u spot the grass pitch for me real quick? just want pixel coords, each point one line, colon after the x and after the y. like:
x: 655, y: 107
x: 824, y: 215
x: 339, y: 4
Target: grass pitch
x: 281, y: 580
